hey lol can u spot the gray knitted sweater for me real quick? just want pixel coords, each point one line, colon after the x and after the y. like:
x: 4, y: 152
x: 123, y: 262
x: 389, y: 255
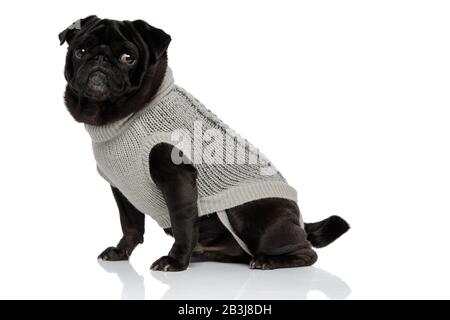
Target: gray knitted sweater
x: 230, y: 170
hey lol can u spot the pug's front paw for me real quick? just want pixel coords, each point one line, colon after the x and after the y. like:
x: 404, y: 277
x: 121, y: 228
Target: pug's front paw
x: 114, y: 254
x: 167, y: 263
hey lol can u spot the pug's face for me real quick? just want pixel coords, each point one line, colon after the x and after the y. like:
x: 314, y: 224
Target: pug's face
x: 112, y: 67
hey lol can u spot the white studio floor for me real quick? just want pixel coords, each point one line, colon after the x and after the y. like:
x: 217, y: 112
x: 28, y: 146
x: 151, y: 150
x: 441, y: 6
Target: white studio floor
x: 343, y: 271
x: 219, y: 281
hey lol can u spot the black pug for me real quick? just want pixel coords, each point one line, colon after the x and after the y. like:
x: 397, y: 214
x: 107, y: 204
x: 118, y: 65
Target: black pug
x: 114, y: 69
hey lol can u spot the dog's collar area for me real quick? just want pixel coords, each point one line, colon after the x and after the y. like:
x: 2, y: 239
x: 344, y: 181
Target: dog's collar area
x: 109, y: 131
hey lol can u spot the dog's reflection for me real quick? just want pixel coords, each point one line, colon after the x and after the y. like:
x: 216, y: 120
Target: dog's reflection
x: 133, y: 283
x: 230, y: 281
x: 209, y: 280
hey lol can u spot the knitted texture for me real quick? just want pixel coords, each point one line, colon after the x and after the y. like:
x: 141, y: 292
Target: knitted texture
x: 230, y: 170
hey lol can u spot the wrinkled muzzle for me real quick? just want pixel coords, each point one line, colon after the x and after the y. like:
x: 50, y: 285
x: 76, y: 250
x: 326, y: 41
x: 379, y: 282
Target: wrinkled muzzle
x: 97, y: 86
x: 99, y: 83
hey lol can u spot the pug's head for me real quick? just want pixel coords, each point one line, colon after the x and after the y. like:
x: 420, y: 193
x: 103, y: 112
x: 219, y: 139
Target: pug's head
x: 113, y: 68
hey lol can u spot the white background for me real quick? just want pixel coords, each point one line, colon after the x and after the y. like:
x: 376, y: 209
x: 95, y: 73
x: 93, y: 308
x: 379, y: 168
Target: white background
x: 349, y: 99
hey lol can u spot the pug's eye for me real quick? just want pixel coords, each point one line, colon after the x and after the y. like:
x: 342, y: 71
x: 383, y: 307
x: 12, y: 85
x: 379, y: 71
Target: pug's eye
x: 127, y: 58
x: 79, y: 53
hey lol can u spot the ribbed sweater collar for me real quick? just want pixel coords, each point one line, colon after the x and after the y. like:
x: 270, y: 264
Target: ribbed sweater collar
x: 111, y: 130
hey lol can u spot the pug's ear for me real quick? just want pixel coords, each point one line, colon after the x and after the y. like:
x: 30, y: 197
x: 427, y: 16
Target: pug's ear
x: 156, y: 39
x: 68, y: 34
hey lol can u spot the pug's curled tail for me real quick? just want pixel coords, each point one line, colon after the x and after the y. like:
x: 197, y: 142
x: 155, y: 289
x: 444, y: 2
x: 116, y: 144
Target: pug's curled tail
x: 324, y: 232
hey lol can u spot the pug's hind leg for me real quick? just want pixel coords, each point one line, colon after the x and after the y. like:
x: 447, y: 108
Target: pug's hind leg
x: 272, y: 230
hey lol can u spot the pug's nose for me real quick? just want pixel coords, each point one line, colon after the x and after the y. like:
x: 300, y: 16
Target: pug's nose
x: 101, y: 58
